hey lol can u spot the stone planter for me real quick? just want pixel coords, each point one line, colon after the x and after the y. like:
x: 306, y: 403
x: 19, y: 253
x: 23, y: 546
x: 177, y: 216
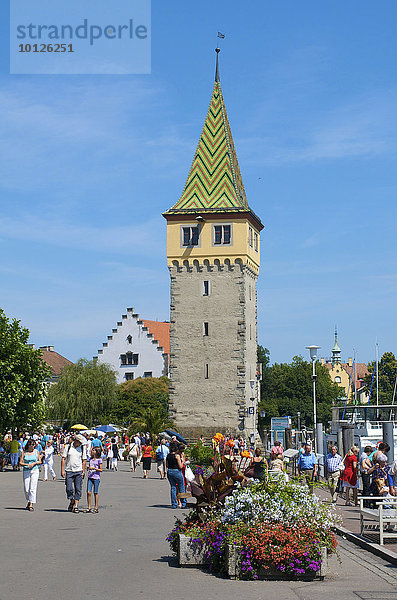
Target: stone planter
x: 233, y: 560
x: 190, y: 553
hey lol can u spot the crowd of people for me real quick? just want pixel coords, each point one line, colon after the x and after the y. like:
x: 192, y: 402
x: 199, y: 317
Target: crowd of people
x: 86, y: 454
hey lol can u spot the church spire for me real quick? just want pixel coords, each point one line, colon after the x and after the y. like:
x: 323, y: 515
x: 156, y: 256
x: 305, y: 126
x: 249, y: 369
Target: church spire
x: 335, y: 350
x: 214, y: 183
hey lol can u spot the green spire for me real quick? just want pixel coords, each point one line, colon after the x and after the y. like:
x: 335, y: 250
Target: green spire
x: 214, y: 183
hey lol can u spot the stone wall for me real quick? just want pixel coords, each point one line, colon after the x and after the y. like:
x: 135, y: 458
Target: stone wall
x: 201, y: 404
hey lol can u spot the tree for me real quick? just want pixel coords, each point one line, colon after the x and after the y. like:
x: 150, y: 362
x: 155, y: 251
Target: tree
x: 22, y: 377
x: 153, y: 420
x: 136, y: 397
x: 288, y: 389
x: 387, y: 373
x: 84, y: 392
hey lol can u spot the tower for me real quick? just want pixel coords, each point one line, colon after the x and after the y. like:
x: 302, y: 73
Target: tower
x: 335, y: 357
x: 213, y: 250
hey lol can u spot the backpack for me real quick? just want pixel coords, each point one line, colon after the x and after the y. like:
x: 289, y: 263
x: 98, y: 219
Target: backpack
x: 160, y: 454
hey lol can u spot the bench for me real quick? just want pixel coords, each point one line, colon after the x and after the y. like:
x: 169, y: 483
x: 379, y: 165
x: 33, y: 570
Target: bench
x: 385, y: 514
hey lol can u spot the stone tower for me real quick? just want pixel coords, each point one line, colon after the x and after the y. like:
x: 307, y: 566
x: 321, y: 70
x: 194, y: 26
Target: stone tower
x: 213, y: 250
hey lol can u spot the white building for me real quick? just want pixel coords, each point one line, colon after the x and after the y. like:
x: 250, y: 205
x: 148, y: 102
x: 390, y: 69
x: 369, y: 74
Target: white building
x: 137, y: 348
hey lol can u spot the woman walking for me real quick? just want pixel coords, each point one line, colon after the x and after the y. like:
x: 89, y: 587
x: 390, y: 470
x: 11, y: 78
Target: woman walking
x: 349, y: 475
x: 133, y: 454
x: 30, y: 461
x: 94, y: 478
x: 49, y: 460
x: 114, y: 455
x: 174, y: 474
x: 147, y: 458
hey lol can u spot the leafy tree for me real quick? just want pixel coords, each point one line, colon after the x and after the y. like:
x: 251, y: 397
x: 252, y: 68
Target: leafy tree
x: 288, y: 388
x: 387, y: 373
x: 154, y: 420
x: 84, y: 391
x: 22, y: 377
x: 136, y: 397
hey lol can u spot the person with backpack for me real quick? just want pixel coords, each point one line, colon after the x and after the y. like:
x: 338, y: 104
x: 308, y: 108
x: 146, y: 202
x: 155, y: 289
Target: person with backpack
x: 133, y: 454
x: 161, y: 455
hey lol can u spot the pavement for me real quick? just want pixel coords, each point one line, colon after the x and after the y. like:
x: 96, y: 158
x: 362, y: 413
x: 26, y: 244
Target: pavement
x: 121, y: 552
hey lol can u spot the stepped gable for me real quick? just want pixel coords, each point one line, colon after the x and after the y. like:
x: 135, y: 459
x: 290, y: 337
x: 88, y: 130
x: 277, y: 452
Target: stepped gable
x: 55, y: 361
x: 156, y: 331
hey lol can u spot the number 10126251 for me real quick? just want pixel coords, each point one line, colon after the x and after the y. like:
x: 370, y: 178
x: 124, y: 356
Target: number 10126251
x: 46, y: 48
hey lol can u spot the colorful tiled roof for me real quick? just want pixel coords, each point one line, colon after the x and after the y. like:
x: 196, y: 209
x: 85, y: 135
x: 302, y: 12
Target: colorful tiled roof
x: 161, y: 332
x: 214, y: 183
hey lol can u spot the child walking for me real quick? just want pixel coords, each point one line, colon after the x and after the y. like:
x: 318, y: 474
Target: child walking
x: 94, y: 478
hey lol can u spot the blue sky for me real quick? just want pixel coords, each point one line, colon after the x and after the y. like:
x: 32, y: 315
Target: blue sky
x: 88, y: 163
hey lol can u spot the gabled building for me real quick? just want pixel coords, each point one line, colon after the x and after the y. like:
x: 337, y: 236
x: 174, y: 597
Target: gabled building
x: 55, y: 361
x: 213, y: 250
x: 137, y: 348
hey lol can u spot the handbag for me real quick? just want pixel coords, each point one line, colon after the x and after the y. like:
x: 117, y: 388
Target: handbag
x: 189, y: 475
x: 249, y: 471
x: 342, y: 466
x: 381, y: 483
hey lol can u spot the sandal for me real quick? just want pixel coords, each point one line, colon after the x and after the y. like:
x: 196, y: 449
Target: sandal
x: 95, y: 510
x: 87, y: 510
x: 31, y: 509
x: 71, y: 505
x: 75, y: 510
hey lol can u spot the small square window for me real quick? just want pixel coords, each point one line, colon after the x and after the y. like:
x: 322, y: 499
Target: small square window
x: 129, y: 376
x: 148, y: 374
x: 205, y: 329
x: 190, y: 236
x: 222, y: 234
x: 206, y: 371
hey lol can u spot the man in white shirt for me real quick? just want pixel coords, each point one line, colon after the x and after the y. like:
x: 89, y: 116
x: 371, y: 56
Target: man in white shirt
x: 74, y: 459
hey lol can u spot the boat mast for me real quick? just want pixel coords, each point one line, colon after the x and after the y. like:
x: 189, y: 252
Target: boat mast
x: 377, y: 374
x: 355, y: 377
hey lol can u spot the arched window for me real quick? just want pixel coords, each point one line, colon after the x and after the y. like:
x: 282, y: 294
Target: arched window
x: 338, y: 379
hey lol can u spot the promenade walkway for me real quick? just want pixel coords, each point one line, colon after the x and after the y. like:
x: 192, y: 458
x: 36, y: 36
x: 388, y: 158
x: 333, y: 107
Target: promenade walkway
x: 121, y: 553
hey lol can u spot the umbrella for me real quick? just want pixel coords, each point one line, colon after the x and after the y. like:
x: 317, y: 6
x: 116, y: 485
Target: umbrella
x: 165, y: 435
x: 106, y: 429
x: 90, y: 431
x: 177, y: 435
x: 100, y: 433
x: 79, y: 427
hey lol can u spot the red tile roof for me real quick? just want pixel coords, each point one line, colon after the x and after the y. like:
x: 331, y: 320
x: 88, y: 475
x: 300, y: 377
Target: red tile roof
x: 160, y: 331
x: 55, y: 361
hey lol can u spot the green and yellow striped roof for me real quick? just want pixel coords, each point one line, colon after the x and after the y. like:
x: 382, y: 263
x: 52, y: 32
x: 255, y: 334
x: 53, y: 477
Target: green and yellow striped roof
x: 214, y: 183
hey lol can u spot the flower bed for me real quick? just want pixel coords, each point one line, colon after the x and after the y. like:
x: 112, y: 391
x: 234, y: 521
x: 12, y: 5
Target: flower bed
x: 261, y: 530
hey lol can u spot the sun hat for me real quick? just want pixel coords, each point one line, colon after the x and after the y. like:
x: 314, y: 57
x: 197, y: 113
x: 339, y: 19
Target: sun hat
x: 381, y: 458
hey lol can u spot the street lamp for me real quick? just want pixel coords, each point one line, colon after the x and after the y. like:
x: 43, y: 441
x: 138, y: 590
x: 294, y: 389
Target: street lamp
x: 313, y: 356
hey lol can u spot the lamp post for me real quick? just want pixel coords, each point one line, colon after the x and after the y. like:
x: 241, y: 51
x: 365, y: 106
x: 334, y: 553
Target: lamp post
x: 299, y: 420
x: 313, y: 356
x: 252, y: 384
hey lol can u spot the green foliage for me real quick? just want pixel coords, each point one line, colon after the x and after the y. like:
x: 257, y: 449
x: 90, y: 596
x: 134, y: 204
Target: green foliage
x: 288, y: 388
x: 387, y: 372
x: 22, y: 377
x: 200, y: 454
x: 136, y: 397
x: 84, y: 392
x: 154, y: 420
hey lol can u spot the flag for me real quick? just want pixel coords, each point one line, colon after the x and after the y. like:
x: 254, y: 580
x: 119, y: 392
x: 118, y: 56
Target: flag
x: 220, y: 35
